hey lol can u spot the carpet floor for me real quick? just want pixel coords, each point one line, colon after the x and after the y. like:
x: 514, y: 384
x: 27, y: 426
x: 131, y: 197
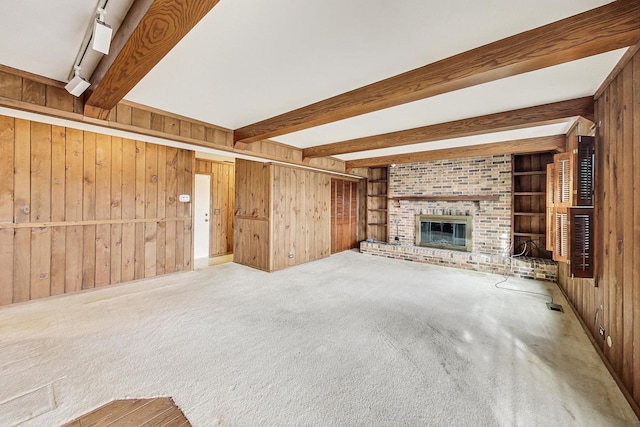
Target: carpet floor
x: 348, y: 340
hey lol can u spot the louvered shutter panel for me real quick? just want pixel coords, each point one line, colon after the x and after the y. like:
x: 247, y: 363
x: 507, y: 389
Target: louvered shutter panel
x: 581, y: 220
x: 549, y: 226
x: 562, y: 164
x: 586, y: 157
x: 561, y: 234
x: 562, y: 199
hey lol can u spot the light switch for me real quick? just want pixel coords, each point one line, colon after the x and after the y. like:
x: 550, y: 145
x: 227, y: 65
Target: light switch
x: 185, y: 198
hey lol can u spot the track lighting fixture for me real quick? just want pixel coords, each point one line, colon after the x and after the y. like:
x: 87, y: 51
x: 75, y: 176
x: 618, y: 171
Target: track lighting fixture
x: 77, y: 85
x: 101, y: 33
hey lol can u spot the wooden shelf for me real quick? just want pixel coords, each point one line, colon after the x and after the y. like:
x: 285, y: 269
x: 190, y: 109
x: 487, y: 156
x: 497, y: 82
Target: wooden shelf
x: 529, y: 173
x: 377, y: 201
x: 529, y: 183
x: 453, y: 198
x: 529, y: 234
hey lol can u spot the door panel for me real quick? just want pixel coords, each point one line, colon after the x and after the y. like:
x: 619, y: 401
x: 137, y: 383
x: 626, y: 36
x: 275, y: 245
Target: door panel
x: 202, y: 216
x: 344, y: 215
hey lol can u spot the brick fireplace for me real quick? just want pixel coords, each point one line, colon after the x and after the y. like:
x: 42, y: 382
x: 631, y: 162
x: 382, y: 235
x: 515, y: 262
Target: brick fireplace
x: 488, y: 179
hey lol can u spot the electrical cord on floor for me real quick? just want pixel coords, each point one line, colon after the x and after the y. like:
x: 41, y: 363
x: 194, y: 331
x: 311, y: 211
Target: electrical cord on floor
x: 511, y: 258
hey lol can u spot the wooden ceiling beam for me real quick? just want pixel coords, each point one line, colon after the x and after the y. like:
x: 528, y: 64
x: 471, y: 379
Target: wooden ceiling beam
x: 529, y: 145
x: 150, y: 30
x: 609, y: 27
x: 509, y: 120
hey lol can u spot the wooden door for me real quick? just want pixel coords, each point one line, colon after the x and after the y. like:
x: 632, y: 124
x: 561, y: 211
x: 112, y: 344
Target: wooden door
x: 344, y: 215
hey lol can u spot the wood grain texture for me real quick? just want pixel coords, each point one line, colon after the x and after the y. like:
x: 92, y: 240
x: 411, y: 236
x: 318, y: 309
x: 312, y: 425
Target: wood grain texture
x: 160, y: 411
x: 7, y: 141
x: 546, y: 143
x: 612, y: 26
x: 636, y: 226
x: 72, y: 205
x: 131, y: 117
x: 163, y: 25
x: 282, y: 215
x: 612, y: 299
x: 508, y: 120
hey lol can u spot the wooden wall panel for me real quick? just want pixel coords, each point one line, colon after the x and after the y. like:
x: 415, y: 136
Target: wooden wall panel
x: 7, y: 138
x: 612, y: 299
x: 283, y: 213
x: 301, y: 218
x: 171, y: 202
x: 29, y: 92
x: 252, y: 189
x: 252, y: 214
x: 58, y: 191
x: 80, y: 209
x: 251, y: 239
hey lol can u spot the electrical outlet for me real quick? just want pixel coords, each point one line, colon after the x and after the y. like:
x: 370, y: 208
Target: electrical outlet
x: 601, y: 330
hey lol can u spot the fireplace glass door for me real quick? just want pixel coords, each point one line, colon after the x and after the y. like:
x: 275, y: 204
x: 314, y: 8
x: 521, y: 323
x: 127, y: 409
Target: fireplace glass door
x: 446, y: 232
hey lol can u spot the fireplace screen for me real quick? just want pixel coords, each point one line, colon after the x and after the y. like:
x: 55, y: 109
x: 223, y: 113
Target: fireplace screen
x: 444, y: 231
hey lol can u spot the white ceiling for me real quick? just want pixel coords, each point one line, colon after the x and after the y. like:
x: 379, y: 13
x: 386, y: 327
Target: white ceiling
x: 249, y: 60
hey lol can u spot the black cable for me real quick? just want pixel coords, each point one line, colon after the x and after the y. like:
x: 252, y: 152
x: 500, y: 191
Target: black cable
x: 496, y: 285
x: 79, y: 63
x: 521, y: 291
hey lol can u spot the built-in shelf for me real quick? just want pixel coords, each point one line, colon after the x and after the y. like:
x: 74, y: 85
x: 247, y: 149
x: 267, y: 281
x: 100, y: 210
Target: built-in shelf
x: 529, y: 234
x: 453, y: 198
x: 528, y: 204
x: 529, y: 173
x: 377, y: 203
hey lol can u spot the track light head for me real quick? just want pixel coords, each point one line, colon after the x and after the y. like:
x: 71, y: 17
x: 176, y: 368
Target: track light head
x: 77, y: 85
x: 101, y: 33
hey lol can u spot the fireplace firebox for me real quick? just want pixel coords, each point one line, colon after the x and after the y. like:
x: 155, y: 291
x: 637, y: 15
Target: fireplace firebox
x: 444, y: 231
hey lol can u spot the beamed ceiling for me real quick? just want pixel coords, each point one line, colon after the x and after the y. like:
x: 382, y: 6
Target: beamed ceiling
x: 354, y: 79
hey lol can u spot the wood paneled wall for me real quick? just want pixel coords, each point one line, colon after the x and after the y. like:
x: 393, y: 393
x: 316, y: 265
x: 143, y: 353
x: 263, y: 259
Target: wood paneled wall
x: 80, y: 210
x: 301, y: 217
x: 25, y: 91
x: 252, y: 214
x: 282, y: 215
x: 223, y: 184
x: 612, y: 299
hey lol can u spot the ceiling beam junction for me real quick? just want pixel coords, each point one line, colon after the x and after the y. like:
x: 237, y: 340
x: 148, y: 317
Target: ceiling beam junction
x: 603, y: 29
x: 149, y: 31
x: 520, y: 146
x: 539, y: 115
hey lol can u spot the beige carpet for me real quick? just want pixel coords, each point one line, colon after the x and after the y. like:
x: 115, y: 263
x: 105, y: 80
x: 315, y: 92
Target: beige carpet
x: 348, y: 340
